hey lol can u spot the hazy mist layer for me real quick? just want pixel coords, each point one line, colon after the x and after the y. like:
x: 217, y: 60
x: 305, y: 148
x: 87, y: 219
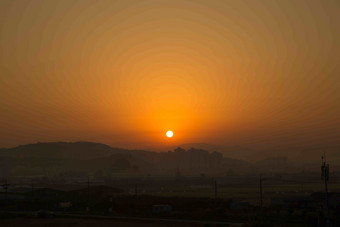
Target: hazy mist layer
x: 256, y: 74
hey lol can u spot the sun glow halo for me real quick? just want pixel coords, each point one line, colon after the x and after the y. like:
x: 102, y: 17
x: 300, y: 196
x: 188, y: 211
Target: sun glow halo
x: 169, y: 134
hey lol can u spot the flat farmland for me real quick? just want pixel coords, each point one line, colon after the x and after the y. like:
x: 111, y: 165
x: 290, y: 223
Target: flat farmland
x: 251, y: 192
x: 86, y: 222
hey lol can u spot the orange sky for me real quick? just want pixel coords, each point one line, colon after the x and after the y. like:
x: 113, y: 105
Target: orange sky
x: 261, y: 74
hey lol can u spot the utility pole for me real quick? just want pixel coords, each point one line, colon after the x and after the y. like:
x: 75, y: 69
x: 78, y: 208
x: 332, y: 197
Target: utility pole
x: 32, y: 200
x: 136, y: 190
x: 261, y: 203
x: 88, y: 193
x: 215, y: 190
x: 5, y: 186
x: 325, y: 178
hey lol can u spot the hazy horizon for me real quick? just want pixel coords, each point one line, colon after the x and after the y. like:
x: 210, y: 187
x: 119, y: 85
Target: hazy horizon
x: 262, y: 75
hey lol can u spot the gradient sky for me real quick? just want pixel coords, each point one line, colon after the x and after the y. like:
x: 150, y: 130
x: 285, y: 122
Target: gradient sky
x: 258, y: 74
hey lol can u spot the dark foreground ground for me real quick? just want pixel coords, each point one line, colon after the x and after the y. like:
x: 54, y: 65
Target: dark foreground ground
x: 82, y: 222
x: 94, y: 222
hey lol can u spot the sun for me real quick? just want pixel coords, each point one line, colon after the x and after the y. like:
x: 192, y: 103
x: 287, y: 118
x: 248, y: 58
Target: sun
x: 169, y: 134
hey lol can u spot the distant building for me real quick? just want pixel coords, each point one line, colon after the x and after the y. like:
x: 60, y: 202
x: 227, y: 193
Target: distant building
x: 278, y: 202
x: 313, y: 201
x: 238, y: 205
x: 11, y: 196
x: 333, y: 197
x: 293, y: 202
x: 65, y: 204
x: 156, y: 209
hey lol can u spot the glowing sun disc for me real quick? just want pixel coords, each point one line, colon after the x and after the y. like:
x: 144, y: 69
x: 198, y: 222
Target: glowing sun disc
x: 169, y: 134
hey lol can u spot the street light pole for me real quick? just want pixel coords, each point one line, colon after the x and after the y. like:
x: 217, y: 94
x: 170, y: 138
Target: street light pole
x: 261, y: 203
x: 325, y: 178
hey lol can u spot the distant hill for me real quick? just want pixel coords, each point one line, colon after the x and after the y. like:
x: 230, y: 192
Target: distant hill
x: 61, y: 150
x: 79, y: 159
x: 75, y: 159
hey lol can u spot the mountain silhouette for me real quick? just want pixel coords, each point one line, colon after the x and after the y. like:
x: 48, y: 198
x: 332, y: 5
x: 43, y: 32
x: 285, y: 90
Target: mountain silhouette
x: 61, y: 150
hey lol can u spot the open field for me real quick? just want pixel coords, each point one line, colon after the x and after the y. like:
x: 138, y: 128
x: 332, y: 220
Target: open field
x: 56, y: 222
x: 251, y: 192
x: 109, y: 221
x: 190, y: 198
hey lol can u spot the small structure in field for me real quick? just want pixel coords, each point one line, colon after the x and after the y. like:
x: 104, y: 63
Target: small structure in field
x: 162, y: 208
x: 238, y: 205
